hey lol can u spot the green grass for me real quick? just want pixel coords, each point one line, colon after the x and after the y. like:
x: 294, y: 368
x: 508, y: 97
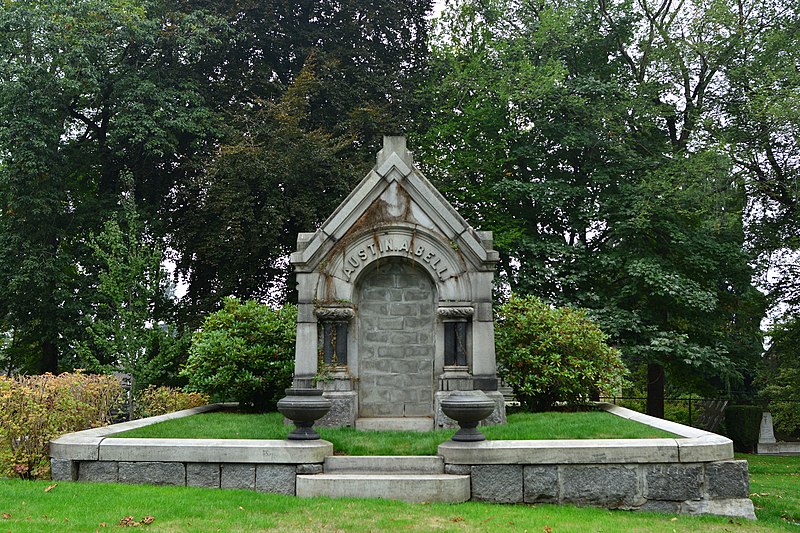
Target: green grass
x: 26, y: 507
x: 775, y: 487
x: 537, y: 426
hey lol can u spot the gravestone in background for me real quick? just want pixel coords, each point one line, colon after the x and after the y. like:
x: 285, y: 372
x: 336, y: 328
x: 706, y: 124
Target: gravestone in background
x: 395, y: 302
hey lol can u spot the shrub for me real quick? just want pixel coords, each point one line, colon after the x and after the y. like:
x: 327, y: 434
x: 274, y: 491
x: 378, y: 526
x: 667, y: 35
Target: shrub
x: 36, y: 409
x: 743, y: 425
x: 550, y: 356
x: 786, y: 419
x: 154, y: 401
x: 244, y: 352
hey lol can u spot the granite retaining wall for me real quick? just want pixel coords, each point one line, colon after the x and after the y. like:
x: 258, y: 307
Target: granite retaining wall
x: 692, y: 474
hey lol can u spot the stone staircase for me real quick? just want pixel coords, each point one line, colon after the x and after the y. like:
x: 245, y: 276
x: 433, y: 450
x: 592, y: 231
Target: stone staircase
x: 406, y: 478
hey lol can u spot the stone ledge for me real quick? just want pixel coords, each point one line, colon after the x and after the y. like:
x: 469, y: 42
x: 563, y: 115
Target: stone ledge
x: 778, y: 448
x: 709, y: 447
x: 93, y: 445
x: 652, y: 421
x: 696, y: 446
x: 215, y: 451
x: 590, y: 451
x: 76, y: 447
x: 84, y: 445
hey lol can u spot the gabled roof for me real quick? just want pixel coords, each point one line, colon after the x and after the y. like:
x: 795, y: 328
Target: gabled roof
x: 394, y: 193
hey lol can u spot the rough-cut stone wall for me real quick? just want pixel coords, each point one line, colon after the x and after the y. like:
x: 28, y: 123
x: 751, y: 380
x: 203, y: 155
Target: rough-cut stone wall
x: 719, y: 487
x: 274, y: 478
x: 395, y: 341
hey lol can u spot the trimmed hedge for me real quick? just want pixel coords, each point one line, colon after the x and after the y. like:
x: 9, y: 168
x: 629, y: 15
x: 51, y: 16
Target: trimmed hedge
x: 743, y: 425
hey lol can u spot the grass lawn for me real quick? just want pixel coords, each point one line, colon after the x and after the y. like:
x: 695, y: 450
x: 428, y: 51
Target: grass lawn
x: 25, y: 506
x: 775, y: 488
x: 538, y: 426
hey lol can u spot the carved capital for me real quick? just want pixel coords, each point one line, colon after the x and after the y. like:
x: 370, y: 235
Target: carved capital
x: 455, y: 312
x: 331, y: 314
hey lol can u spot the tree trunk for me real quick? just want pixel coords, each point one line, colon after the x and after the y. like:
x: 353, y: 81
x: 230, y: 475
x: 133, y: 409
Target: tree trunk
x: 49, y: 362
x: 655, y: 390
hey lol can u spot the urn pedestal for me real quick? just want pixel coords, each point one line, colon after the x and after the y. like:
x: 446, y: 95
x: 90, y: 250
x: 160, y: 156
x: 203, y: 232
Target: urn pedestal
x: 468, y: 408
x: 303, y: 407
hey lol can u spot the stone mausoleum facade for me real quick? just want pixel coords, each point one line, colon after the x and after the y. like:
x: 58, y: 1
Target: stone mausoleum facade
x: 395, y: 302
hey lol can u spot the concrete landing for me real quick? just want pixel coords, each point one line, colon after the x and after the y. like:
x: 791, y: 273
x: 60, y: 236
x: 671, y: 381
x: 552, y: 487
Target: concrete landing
x: 394, y: 464
x: 405, y: 478
x: 415, y: 488
x: 396, y: 424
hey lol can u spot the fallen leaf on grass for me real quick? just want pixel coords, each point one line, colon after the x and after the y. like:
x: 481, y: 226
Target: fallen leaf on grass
x: 128, y: 521
x: 548, y: 529
x: 103, y: 524
x: 6, y: 516
x: 457, y: 519
x: 51, y: 487
x: 673, y: 519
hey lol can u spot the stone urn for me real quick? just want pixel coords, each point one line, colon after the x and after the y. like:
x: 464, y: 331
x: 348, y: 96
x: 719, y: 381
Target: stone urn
x: 303, y: 407
x: 468, y: 408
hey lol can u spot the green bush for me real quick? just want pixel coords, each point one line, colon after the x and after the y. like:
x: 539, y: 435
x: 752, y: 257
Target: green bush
x: 36, y: 409
x: 244, y: 352
x: 154, y: 401
x: 786, y: 419
x: 743, y: 424
x: 551, y: 356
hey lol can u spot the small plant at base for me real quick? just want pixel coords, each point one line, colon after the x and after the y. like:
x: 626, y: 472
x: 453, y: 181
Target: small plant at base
x: 323, y: 374
x: 553, y: 355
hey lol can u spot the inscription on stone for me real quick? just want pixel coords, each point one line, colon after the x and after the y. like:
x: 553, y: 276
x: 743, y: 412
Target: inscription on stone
x: 393, y: 245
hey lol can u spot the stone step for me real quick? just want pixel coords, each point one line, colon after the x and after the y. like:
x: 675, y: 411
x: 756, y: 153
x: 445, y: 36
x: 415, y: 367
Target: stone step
x: 406, y: 423
x: 396, y: 464
x: 415, y: 488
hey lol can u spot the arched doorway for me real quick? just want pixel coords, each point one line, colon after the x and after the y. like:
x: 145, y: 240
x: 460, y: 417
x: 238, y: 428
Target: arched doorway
x: 396, y: 320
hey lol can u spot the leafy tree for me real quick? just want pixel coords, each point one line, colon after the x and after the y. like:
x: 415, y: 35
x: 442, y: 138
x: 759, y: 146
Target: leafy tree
x: 553, y: 125
x: 272, y: 179
x: 244, y: 352
x: 123, y: 322
x: 306, y: 89
x: 759, y: 123
x: 87, y: 88
x: 554, y: 355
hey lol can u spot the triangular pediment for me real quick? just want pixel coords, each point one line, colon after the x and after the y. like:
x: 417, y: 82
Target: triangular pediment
x: 394, y: 194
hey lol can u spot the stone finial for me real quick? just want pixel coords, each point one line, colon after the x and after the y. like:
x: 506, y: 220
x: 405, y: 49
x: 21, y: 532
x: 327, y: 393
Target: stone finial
x: 395, y: 144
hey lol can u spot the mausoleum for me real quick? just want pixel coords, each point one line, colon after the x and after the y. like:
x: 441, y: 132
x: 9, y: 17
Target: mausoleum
x: 395, y: 302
